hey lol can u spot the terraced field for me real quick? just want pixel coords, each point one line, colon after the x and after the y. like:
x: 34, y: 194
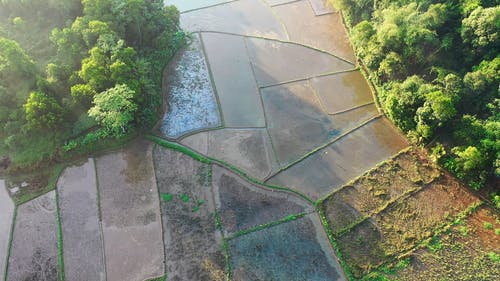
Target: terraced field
x: 272, y: 162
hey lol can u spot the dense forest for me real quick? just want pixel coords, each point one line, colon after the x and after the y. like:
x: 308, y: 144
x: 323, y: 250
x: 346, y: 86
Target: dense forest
x: 76, y: 73
x: 436, y: 66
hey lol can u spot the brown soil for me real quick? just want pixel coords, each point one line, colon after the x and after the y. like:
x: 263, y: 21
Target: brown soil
x: 407, y: 172
x: 463, y: 253
x: 405, y: 200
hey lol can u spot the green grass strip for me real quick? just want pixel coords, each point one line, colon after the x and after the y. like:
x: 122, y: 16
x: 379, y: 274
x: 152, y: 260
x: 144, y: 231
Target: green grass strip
x: 11, y: 237
x: 267, y: 225
x: 335, y: 246
x: 59, y: 240
x: 161, y: 278
x: 208, y: 160
x: 178, y: 147
x: 98, y: 190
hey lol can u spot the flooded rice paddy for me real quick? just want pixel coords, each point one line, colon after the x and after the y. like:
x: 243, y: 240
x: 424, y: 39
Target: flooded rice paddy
x: 191, y: 103
x: 81, y: 228
x: 131, y: 219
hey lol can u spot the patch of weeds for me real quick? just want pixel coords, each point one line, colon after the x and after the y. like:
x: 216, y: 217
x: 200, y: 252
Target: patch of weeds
x: 197, y: 207
x: 184, y: 197
x: 376, y: 276
x: 464, y: 230
x: 434, y: 244
x: 494, y: 257
x: 497, y: 231
x: 167, y: 197
x: 488, y: 225
x: 403, y: 264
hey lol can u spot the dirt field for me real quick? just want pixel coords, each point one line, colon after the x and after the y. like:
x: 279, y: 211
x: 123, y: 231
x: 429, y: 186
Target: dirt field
x: 392, y: 209
x: 469, y: 251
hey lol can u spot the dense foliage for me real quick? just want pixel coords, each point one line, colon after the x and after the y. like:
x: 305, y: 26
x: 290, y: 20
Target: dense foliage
x: 75, y: 72
x: 436, y: 64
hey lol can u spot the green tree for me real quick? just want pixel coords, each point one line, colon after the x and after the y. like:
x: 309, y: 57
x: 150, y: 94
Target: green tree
x: 42, y: 111
x: 15, y: 64
x: 481, y: 30
x: 115, y: 109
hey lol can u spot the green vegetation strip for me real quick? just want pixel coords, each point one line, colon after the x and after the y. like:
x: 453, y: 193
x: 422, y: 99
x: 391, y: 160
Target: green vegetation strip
x: 161, y: 278
x: 60, y: 253
x: 267, y: 225
x: 208, y: 160
x: 99, y: 211
x: 11, y: 237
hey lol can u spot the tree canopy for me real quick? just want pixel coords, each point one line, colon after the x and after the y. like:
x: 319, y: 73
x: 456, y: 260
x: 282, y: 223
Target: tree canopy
x: 436, y: 66
x: 80, y: 70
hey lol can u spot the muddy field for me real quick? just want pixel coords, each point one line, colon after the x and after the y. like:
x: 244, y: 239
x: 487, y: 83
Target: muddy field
x: 243, y: 205
x: 324, y: 32
x: 193, y: 244
x: 243, y: 17
x: 269, y: 91
x: 6, y: 217
x: 131, y: 219
x: 404, y: 174
x: 34, y: 246
x: 240, y: 102
x: 350, y: 156
x: 303, y: 255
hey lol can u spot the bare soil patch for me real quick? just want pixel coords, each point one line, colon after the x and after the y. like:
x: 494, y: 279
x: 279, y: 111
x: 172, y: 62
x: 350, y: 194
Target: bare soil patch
x: 468, y: 251
x: 405, y: 173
